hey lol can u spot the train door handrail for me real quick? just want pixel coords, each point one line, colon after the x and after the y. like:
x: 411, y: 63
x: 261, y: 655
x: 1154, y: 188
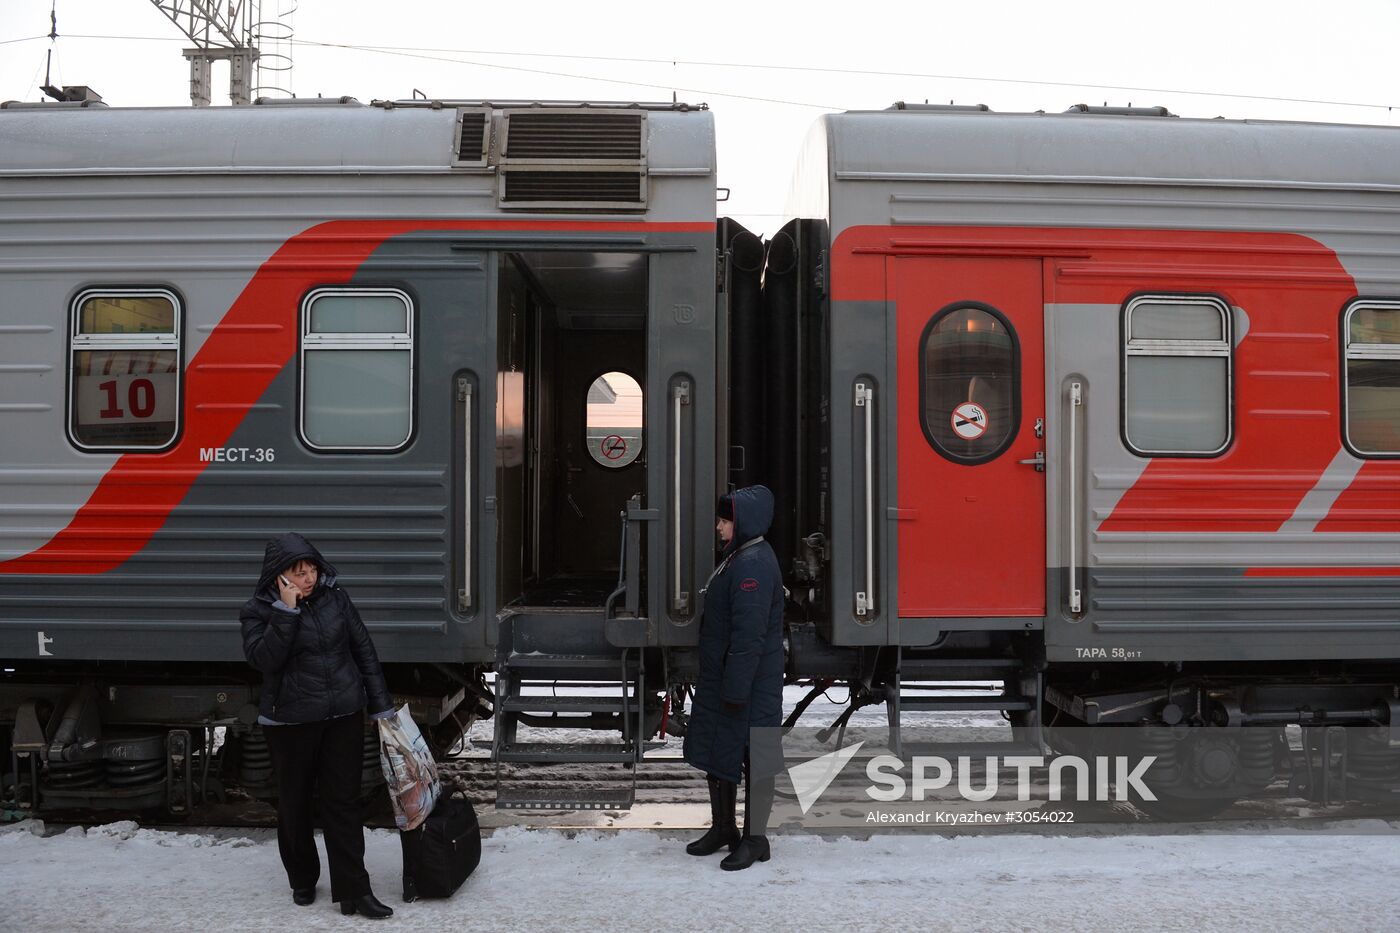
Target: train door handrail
x: 1076, y: 401
x: 680, y: 599
x: 865, y: 398
x: 464, y: 395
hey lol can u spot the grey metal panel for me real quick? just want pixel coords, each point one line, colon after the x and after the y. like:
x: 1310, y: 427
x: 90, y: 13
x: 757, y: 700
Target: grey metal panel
x: 864, y: 333
x: 681, y: 346
x: 282, y: 140
x: 887, y: 145
x: 1195, y: 613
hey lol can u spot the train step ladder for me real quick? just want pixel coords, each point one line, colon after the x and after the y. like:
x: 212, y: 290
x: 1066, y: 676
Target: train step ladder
x: 580, y: 693
x: 960, y: 693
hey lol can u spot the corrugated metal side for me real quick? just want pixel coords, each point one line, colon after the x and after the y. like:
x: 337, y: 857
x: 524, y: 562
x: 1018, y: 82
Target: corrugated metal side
x: 1073, y: 189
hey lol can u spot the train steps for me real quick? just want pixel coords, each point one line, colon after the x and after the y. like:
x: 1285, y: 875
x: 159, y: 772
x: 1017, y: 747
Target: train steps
x: 581, y: 705
x: 948, y: 687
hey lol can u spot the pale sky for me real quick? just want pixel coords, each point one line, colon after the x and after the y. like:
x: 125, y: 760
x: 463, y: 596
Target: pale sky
x: 768, y: 70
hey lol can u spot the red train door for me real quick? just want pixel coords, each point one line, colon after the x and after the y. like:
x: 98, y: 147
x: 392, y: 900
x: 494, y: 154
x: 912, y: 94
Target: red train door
x: 971, y: 425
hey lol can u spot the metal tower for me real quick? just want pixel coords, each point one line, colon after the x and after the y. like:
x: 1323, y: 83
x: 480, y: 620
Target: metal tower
x: 231, y: 30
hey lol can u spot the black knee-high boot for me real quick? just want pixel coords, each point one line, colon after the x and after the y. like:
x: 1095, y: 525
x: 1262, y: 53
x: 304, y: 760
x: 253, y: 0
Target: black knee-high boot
x: 723, y: 831
x: 753, y: 845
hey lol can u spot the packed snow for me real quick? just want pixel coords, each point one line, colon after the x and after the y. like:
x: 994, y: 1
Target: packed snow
x: 568, y: 872
x: 1327, y: 877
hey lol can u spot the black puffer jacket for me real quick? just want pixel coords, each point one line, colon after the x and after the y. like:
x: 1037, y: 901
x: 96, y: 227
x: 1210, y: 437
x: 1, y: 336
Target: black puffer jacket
x: 318, y: 662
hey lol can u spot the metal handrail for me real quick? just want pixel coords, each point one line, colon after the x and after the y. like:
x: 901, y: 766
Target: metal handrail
x: 865, y: 398
x: 1076, y: 401
x: 680, y: 600
x: 464, y: 395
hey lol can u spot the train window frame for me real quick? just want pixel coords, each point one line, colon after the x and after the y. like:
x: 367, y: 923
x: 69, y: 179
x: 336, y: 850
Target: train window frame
x: 1364, y: 351
x: 78, y: 342
x: 1178, y: 348
x: 402, y: 341
x: 1015, y: 393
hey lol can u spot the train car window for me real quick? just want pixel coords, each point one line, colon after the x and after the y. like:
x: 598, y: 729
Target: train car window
x: 124, y: 367
x: 1177, y: 372
x: 357, y: 369
x: 1371, y: 331
x: 614, y: 422
x: 969, y: 383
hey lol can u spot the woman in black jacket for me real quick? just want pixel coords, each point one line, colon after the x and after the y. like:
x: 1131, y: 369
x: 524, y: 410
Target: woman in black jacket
x: 319, y: 671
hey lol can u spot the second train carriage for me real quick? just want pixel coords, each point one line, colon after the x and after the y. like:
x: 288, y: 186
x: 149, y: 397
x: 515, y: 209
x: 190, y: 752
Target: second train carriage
x: 1102, y: 406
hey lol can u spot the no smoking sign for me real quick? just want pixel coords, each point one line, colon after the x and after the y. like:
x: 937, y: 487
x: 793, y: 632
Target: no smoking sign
x: 969, y: 421
x: 613, y: 447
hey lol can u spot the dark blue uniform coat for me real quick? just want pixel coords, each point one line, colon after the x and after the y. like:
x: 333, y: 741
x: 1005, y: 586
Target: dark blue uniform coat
x: 741, y: 645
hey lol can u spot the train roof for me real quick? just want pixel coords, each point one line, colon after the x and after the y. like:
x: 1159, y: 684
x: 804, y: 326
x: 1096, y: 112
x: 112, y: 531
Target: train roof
x: 968, y: 144
x: 330, y: 136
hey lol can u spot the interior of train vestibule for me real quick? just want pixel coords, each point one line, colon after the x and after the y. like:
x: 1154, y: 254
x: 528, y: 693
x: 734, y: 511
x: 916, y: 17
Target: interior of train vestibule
x: 570, y: 438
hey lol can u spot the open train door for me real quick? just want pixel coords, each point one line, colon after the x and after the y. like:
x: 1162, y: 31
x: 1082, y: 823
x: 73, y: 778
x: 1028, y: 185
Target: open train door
x: 971, y: 480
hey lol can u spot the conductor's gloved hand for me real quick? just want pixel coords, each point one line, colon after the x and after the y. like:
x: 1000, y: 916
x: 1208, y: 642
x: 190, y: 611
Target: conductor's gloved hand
x: 733, y: 709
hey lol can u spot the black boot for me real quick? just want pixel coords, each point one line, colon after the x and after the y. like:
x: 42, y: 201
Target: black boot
x: 753, y: 847
x: 722, y: 832
x: 303, y: 896
x: 366, y: 905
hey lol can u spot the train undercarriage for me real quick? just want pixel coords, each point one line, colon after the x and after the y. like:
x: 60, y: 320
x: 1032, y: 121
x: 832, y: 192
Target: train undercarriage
x: 136, y: 740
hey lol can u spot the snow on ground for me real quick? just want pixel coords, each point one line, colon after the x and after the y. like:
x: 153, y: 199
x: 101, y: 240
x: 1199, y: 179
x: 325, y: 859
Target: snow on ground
x: 121, y: 877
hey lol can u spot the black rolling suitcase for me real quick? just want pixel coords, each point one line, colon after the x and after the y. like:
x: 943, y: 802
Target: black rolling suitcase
x: 440, y: 854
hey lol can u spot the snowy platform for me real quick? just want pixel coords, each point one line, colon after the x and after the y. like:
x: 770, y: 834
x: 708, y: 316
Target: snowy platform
x: 1332, y: 876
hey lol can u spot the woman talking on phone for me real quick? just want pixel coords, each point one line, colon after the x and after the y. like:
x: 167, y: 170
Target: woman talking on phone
x: 320, y: 670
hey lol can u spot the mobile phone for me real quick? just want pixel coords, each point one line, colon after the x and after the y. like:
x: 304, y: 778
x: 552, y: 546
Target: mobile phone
x: 284, y: 580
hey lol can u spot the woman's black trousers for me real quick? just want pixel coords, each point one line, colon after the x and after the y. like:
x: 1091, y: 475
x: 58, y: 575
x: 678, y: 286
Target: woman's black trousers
x: 318, y: 782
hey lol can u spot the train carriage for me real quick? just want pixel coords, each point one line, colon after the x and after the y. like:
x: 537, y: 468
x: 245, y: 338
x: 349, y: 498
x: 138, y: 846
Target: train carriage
x: 1102, y: 405
x: 1128, y: 385
x: 343, y: 319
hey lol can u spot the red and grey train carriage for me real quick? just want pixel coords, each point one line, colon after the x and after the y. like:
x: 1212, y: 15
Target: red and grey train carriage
x: 1140, y: 380
x: 1102, y: 406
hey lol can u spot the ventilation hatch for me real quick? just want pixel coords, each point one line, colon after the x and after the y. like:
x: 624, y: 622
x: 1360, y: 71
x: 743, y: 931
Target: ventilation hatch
x: 573, y: 159
x: 573, y: 135
x: 472, y: 142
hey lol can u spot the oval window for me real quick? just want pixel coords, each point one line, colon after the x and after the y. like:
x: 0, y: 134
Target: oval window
x: 614, y: 422
x: 969, y: 366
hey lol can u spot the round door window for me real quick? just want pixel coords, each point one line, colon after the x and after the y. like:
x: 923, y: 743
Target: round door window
x: 614, y: 421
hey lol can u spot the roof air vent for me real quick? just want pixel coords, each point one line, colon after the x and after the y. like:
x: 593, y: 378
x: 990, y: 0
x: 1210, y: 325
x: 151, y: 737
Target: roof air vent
x: 573, y: 159
x: 473, y: 138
